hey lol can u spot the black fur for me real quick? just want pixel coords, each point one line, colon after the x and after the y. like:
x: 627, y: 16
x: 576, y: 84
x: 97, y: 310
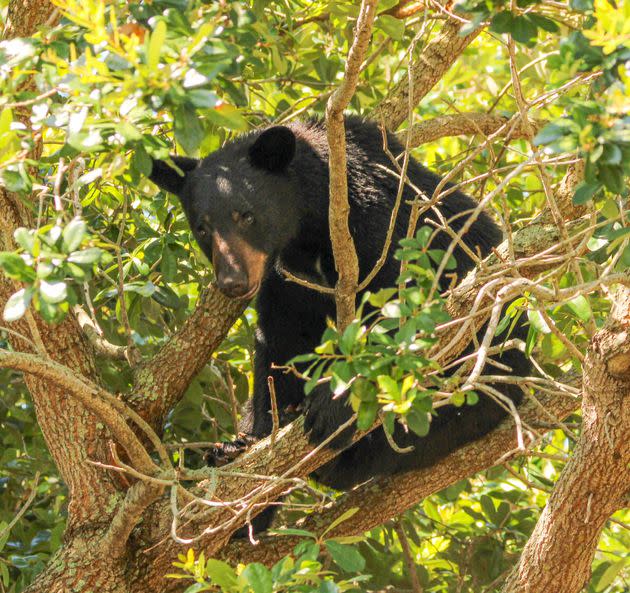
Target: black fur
x: 169, y: 179
x: 274, y: 149
x: 285, y: 185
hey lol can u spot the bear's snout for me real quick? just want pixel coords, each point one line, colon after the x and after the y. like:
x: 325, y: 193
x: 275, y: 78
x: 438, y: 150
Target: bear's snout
x: 234, y: 284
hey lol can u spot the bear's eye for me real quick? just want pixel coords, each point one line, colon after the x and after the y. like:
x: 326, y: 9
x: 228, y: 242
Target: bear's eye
x: 202, y: 231
x: 242, y: 218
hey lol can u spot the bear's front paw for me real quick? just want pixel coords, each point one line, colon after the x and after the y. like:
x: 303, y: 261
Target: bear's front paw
x: 223, y: 453
x: 324, y: 415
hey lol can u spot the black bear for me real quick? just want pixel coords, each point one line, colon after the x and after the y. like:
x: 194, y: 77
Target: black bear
x: 260, y: 205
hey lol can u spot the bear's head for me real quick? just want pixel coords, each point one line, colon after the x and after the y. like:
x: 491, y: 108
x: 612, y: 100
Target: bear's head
x: 240, y: 203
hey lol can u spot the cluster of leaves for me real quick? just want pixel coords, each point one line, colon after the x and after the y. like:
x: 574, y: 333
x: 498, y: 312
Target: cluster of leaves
x: 50, y: 268
x: 597, y: 127
x: 300, y: 572
x: 382, y: 360
x: 524, y: 23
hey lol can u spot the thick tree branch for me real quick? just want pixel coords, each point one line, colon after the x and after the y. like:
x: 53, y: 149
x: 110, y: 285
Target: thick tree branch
x: 461, y: 124
x: 427, y: 69
x: 346, y: 261
x: 26, y: 16
x: 70, y: 443
x: 385, y: 498
x: 293, y: 445
x: 257, y: 478
x: 596, y: 481
x: 162, y: 381
x: 96, y: 400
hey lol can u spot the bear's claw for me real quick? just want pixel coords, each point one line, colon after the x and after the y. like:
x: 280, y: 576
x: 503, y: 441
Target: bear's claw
x: 324, y: 415
x: 223, y: 453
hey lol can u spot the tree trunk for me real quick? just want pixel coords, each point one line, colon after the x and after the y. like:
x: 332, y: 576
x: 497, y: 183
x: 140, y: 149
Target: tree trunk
x: 596, y: 481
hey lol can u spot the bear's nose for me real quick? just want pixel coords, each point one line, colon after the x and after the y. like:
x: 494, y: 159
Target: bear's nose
x: 233, y: 285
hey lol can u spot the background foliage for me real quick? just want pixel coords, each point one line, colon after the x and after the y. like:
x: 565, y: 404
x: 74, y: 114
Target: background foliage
x: 117, y: 82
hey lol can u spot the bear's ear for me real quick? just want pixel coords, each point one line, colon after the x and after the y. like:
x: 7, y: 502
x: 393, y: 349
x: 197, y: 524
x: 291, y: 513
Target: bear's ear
x: 274, y: 149
x: 167, y: 178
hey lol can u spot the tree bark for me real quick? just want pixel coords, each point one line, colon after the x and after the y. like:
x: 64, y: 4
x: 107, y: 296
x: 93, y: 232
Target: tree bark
x: 426, y: 71
x: 596, y: 481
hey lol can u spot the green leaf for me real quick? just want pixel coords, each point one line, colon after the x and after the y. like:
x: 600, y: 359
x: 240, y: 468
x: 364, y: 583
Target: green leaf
x: 145, y: 289
x: 384, y: 5
x: 584, y: 192
x: 610, y: 574
x: 5, y: 535
x: 612, y: 177
x: 25, y: 239
x: 141, y: 161
x: 168, y: 265
x: 258, y: 577
x: 188, y: 130
x: 536, y: 321
x: 73, y: 234
x: 221, y: 574
x: 156, y: 42
x: 488, y: 507
x: 543, y: 22
x: 328, y: 586
x: 418, y: 422
x: 349, y: 337
x: 15, y: 267
x: 293, y: 531
x: 367, y: 415
x: 378, y: 299
x: 346, y: 557
x: 550, y: 133
x: 524, y: 30
x: 389, y: 386
x: 203, y: 99
x: 17, y: 304
x: 580, y: 306
x: 472, y: 397
x: 502, y: 22
x: 394, y: 27
x: 86, y: 257
x: 53, y: 292
x: 166, y: 297
x: 340, y: 519
x: 4, y: 574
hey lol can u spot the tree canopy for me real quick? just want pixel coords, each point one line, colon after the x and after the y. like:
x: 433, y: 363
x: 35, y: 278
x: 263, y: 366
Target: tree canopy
x: 120, y: 361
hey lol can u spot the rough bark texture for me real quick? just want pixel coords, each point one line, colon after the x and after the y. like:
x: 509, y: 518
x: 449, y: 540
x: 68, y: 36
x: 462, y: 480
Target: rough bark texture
x: 63, y: 343
x: 427, y: 69
x: 346, y: 260
x: 26, y: 16
x: 460, y: 124
x: 596, y: 481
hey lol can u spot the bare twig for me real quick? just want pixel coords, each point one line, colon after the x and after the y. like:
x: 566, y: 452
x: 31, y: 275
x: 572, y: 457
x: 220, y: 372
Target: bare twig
x: 23, y: 509
x: 407, y: 555
x: 274, y: 409
x: 94, y: 335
